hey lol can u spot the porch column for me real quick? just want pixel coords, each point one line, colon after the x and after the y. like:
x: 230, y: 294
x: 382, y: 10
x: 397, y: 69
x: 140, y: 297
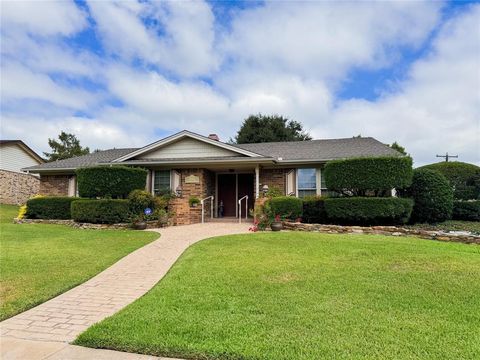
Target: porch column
x: 257, y: 181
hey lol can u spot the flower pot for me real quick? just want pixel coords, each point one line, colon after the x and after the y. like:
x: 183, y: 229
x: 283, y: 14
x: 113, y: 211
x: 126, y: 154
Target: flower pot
x: 276, y: 226
x: 194, y: 205
x: 141, y: 225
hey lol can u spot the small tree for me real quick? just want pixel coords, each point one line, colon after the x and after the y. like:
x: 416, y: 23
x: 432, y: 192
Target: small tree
x: 67, y: 147
x: 399, y: 148
x: 267, y: 128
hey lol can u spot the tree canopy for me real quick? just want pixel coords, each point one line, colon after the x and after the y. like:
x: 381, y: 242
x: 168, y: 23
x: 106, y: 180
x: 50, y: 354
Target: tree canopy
x: 399, y: 148
x: 267, y: 128
x: 68, y: 146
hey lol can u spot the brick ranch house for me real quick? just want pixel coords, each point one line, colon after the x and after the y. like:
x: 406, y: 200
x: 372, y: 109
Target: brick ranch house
x: 194, y: 165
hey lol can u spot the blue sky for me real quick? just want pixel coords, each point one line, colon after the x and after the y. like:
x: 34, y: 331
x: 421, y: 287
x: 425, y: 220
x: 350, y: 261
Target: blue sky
x: 121, y: 74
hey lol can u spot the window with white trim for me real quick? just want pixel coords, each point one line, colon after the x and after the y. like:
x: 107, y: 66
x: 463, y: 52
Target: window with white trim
x: 161, y: 182
x: 307, y: 182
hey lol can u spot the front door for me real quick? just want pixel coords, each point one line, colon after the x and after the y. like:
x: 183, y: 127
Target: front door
x: 227, y: 193
x: 245, y: 187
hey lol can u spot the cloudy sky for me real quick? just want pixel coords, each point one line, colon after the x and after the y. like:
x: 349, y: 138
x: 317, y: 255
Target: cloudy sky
x: 121, y: 74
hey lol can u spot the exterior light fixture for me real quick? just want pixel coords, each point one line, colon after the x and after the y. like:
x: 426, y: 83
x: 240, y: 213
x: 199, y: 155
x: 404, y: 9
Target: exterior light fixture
x: 178, y: 191
x: 265, y: 189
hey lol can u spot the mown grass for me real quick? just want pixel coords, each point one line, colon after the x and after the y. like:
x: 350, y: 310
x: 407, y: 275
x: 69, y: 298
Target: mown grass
x: 307, y: 296
x: 38, y: 261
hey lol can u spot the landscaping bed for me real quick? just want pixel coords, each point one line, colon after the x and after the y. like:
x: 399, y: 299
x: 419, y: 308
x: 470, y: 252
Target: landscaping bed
x: 40, y: 261
x: 307, y: 296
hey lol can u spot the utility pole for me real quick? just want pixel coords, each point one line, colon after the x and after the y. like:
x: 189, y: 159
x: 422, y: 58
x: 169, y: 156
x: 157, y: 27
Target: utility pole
x: 446, y: 156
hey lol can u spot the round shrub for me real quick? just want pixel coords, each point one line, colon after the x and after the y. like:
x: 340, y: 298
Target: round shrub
x: 286, y: 206
x: 466, y: 210
x: 51, y: 207
x: 462, y: 177
x: 314, y: 210
x: 110, y: 181
x: 140, y: 200
x: 103, y: 211
x: 376, y: 174
x: 433, y: 196
x: 368, y: 210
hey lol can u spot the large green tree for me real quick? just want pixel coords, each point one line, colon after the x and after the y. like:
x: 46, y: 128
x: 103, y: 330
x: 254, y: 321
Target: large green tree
x: 65, y: 147
x: 266, y: 128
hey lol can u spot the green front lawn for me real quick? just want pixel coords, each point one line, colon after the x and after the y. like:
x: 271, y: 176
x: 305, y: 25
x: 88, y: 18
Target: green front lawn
x: 307, y: 296
x: 38, y: 262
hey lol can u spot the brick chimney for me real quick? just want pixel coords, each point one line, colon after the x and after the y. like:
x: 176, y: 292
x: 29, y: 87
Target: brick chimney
x: 214, y: 137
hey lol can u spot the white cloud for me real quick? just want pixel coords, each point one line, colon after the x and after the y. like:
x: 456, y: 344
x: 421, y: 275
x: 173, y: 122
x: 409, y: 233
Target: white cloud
x: 325, y: 39
x: 185, y: 45
x: 438, y: 108
x: 20, y: 83
x: 42, y: 18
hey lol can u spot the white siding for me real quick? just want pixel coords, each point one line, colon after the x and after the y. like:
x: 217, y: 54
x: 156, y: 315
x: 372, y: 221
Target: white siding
x: 13, y: 158
x: 187, y: 148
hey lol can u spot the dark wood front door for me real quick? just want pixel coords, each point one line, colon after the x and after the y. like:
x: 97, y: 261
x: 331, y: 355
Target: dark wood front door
x: 245, y: 187
x: 227, y: 193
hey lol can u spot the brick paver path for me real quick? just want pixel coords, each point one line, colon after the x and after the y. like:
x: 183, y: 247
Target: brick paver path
x: 66, y: 316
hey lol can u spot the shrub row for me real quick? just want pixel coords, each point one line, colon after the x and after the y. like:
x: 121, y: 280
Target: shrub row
x: 344, y: 210
x: 57, y: 207
x: 374, y: 174
x: 368, y: 210
x: 466, y: 210
x: 110, y: 181
x: 287, y: 207
x: 102, y: 211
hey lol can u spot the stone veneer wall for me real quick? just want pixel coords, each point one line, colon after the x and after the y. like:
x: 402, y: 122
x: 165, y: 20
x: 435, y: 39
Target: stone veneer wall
x: 385, y: 230
x: 274, y: 178
x: 184, y: 214
x: 16, y: 188
x: 54, y: 185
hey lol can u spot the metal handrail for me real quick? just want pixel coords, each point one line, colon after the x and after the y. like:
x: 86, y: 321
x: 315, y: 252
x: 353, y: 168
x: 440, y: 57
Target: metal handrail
x: 240, y: 208
x: 203, y: 207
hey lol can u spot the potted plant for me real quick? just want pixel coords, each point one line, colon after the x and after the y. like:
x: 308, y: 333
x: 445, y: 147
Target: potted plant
x: 139, y: 222
x: 276, y: 224
x: 193, y: 201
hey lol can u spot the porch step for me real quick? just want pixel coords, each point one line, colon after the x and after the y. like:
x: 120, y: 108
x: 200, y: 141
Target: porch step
x: 228, y: 219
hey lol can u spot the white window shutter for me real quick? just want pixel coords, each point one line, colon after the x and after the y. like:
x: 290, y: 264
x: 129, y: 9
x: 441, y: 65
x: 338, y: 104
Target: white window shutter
x: 176, y: 180
x: 290, y: 183
x: 72, y: 186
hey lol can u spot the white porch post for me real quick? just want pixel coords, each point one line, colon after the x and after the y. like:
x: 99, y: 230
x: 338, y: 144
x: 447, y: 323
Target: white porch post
x: 257, y: 181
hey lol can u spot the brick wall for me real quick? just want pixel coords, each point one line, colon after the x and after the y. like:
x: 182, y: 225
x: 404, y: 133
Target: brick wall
x: 17, y: 188
x: 274, y: 178
x: 54, y: 185
x: 184, y: 214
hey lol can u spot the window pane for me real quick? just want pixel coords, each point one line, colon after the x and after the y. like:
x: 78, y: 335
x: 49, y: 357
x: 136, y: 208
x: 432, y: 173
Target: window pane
x: 161, y: 183
x: 323, y: 185
x: 307, y: 179
x: 305, y: 193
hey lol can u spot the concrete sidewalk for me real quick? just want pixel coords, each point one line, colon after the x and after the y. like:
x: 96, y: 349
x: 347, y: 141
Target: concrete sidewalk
x: 62, y: 319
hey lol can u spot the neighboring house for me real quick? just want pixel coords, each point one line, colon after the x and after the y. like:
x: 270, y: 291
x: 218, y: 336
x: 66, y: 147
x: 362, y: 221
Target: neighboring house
x: 195, y: 165
x: 17, y: 186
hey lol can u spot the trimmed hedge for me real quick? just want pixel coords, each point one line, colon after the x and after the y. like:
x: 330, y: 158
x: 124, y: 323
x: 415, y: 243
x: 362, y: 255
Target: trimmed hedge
x: 103, y: 211
x: 314, y: 210
x: 466, y: 210
x: 375, y: 174
x: 368, y: 210
x: 139, y: 201
x: 286, y: 206
x: 433, y: 196
x: 110, y: 181
x: 54, y: 207
x: 461, y: 176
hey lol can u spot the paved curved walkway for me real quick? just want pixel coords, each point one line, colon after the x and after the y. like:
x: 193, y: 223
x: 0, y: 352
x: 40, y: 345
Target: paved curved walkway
x: 63, y: 318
